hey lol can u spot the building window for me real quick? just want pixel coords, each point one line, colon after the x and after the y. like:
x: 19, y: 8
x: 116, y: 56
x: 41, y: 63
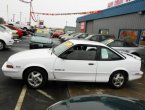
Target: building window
x: 142, y: 38
x: 129, y: 35
x: 104, y: 31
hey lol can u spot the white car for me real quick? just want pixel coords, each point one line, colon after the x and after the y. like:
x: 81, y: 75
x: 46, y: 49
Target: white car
x: 6, y: 39
x: 74, y: 60
x: 13, y: 32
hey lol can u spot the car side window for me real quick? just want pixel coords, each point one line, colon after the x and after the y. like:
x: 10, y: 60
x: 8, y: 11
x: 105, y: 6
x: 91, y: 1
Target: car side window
x: 80, y: 52
x: 116, y: 44
x: 94, y: 38
x: 103, y: 38
x: 107, y: 54
x: 83, y: 35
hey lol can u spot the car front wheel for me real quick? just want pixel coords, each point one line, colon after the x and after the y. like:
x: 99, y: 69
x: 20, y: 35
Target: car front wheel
x: 118, y: 80
x: 35, y: 77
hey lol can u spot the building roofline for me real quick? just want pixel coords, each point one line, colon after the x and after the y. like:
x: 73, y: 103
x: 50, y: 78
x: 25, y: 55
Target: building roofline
x: 127, y: 8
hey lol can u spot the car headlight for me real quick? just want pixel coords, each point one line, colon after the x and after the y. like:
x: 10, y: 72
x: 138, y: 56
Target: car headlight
x: 9, y: 65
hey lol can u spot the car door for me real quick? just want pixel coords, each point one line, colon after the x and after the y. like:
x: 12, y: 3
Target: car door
x: 107, y: 63
x: 77, y: 64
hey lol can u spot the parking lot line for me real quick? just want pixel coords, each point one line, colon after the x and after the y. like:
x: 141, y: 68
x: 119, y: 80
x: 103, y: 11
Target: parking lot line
x: 45, y: 94
x: 21, y: 98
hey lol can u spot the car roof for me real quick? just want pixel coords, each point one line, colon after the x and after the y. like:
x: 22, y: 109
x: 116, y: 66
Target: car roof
x: 100, y: 102
x: 87, y: 42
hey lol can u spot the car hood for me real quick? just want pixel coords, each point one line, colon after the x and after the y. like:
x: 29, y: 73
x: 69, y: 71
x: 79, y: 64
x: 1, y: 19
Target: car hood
x: 31, y: 54
x: 99, y: 102
x: 44, y: 40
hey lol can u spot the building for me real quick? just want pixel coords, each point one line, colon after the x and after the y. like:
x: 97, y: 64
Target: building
x: 69, y: 29
x: 125, y: 21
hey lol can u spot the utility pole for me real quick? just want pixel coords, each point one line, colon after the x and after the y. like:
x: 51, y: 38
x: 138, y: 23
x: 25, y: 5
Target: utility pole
x: 66, y: 23
x: 7, y: 13
x: 30, y: 13
x: 20, y: 16
x: 13, y: 17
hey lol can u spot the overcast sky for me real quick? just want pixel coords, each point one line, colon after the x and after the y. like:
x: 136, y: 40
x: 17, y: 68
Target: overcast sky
x: 50, y: 6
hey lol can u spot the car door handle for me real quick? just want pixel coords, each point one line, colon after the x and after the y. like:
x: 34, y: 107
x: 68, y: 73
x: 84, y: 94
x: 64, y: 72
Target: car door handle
x: 90, y: 63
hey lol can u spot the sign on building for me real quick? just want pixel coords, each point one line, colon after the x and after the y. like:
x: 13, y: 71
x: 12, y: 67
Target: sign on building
x: 82, y: 26
x: 118, y: 2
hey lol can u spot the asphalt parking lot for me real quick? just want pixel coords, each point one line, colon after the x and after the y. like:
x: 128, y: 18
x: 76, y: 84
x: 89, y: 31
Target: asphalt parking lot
x: 14, y: 95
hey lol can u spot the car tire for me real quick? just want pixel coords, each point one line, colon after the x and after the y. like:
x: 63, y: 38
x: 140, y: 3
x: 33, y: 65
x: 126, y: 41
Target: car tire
x: 2, y: 45
x: 35, y: 77
x: 118, y: 80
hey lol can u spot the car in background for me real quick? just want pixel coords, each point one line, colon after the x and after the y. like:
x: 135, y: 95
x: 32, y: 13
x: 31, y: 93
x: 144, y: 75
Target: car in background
x: 80, y: 36
x: 126, y: 46
x: 13, y: 32
x: 99, y: 102
x: 57, y: 33
x: 22, y: 26
x: 6, y: 39
x: 19, y: 31
x: 74, y: 36
x: 74, y: 60
x: 67, y: 36
x: 99, y: 37
x: 40, y: 40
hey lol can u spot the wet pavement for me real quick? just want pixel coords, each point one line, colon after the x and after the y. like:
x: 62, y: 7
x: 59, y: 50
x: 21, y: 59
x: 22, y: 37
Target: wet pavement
x: 10, y: 90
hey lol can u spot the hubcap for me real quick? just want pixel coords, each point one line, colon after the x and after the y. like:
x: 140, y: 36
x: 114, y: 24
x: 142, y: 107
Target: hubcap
x: 1, y: 46
x: 118, y: 80
x: 35, y: 78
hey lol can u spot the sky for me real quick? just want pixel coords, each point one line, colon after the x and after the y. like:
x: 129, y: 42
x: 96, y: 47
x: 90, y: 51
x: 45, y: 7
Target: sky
x: 15, y: 7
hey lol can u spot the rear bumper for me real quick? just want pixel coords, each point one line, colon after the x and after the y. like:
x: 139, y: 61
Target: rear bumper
x: 135, y: 75
x: 9, y: 43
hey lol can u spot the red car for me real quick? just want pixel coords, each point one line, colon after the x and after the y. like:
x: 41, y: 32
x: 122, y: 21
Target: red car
x: 19, y: 31
x: 57, y: 33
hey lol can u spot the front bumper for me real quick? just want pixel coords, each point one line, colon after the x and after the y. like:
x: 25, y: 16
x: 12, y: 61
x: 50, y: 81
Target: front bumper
x: 11, y: 72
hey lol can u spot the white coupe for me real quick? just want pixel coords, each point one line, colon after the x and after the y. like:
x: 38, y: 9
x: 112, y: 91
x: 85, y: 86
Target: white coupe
x: 74, y: 60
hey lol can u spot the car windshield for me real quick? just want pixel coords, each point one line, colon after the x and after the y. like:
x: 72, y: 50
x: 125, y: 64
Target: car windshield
x: 88, y: 37
x: 107, y: 41
x: 81, y: 36
x: 62, y: 47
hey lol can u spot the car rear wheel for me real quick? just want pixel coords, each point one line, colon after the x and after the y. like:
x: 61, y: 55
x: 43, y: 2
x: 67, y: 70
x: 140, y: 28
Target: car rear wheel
x: 118, y: 80
x: 2, y: 45
x: 35, y: 77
